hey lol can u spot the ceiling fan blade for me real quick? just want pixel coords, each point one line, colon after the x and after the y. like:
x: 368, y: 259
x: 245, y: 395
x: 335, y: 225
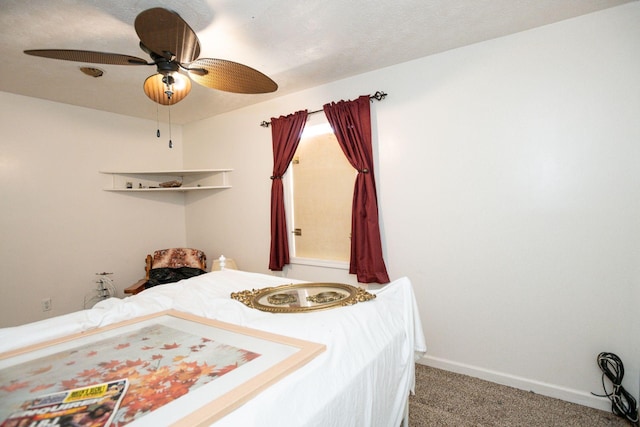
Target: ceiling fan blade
x: 87, y: 56
x: 167, y: 34
x: 230, y: 76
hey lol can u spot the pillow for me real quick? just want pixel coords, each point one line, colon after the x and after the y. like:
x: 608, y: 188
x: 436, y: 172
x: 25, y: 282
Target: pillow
x: 164, y: 275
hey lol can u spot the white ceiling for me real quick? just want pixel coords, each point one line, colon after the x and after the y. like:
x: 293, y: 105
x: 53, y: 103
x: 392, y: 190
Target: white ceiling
x: 298, y: 43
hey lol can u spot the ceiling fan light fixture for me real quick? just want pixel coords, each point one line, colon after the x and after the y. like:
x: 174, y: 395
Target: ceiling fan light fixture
x: 167, y: 89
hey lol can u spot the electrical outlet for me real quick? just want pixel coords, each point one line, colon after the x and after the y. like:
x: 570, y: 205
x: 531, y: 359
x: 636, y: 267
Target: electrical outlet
x: 46, y: 304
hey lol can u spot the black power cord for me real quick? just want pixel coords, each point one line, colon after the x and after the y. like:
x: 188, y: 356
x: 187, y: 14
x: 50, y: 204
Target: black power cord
x: 622, y: 402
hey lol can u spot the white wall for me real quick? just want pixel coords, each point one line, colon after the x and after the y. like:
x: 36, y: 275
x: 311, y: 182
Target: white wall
x: 508, y: 187
x: 58, y: 227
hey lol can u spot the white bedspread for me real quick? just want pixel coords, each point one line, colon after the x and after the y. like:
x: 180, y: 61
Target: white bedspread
x: 363, y: 378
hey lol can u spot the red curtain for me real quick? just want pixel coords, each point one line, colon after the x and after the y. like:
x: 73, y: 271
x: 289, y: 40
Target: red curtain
x: 351, y: 123
x: 285, y: 133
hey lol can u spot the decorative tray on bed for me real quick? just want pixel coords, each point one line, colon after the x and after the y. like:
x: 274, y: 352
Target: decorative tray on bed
x: 302, y: 297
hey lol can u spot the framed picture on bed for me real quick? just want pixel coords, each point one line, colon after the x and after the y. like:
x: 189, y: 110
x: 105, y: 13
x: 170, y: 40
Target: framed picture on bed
x: 182, y: 369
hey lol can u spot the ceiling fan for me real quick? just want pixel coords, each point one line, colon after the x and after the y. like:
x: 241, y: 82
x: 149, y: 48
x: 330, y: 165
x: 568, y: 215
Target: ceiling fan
x: 174, y: 49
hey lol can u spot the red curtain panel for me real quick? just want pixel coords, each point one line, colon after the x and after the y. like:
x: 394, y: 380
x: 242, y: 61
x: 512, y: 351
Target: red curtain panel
x: 351, y: 123
x: 285, y: 133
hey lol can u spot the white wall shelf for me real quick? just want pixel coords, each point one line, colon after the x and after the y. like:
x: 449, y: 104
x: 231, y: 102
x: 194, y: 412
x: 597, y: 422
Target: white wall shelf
x: 149, y: 181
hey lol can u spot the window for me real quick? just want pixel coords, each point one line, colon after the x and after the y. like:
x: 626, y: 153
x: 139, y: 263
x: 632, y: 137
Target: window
x: 319, y: 183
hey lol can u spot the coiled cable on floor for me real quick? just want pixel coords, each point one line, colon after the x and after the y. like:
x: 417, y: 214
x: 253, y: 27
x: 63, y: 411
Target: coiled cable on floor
x: 622, y: 402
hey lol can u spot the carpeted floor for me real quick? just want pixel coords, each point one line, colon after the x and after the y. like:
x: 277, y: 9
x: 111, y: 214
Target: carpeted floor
x: 448, y: 399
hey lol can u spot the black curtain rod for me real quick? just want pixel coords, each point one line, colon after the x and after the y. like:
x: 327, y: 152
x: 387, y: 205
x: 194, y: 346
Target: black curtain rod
x: 378, y: 96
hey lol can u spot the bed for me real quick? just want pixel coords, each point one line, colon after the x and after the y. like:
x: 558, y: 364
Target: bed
x: 362, y: 379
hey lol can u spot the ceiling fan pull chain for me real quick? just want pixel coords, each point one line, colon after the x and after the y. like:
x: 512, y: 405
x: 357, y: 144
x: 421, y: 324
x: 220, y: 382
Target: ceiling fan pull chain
x: 157, y: 121
x: 170, y: 142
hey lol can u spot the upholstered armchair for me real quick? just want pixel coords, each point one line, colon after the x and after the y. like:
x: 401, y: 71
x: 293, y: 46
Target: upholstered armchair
x: 168, y: 266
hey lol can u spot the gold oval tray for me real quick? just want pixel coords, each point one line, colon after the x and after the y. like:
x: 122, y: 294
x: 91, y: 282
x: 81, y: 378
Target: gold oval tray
x: 302, y: 297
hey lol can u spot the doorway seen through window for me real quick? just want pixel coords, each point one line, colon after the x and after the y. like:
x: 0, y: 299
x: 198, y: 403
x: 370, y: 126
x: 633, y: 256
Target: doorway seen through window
x: 321, y: 192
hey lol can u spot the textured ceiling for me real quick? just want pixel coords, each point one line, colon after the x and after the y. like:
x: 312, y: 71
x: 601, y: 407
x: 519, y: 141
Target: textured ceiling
x: 299, y: 44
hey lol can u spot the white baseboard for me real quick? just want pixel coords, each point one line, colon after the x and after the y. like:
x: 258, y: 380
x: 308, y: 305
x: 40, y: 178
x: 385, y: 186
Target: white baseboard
x: 545, y: 389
